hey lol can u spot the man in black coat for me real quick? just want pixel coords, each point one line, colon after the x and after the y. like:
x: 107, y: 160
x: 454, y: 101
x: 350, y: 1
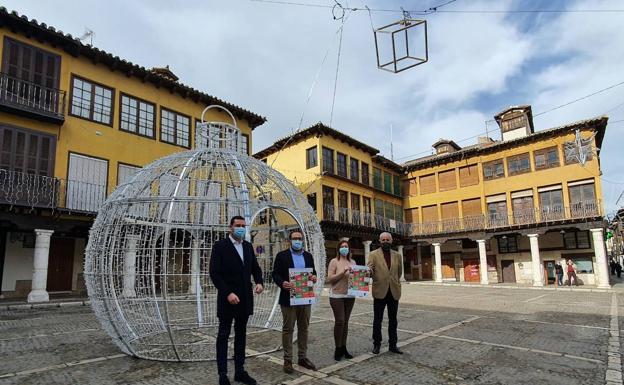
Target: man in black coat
x: 294, y: 257
x: 232, y: 264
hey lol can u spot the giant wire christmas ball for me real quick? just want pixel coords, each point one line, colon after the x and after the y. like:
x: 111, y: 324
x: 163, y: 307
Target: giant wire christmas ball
x: 147, y: 260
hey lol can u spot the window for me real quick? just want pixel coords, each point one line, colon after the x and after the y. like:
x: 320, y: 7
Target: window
x: 493, y: 170
x: 387, y: 183
x: 513, y: 123
x: 328, y: 160
x: 328, y: 203
x: 468, y: 176
x: 508, y: 244
x: 396, y: 180
x: 245, y: 143
x: 583, y: 262
x: 92, y: 101
x: 343, y: 198
x: 312, y: 201
x: 125, y: 172
x: 546, y: 158
x: 174, y: 128
x: 497, y: 213
x: 377, y: 178
x: 341, y: 163
x: 446, y: 180
x: 365, y: 174
x: 588, y: 150
x: 389, y: 210
x: 523, y: 209
x: 551, y: 203
x: 354, y: 173
x: 576, y: 240
x: 518, y: 164
x: 379, y: 207
x: 583, y: 199
x: 311, y: 157
x: 137, y: 116
x: 427, y: 184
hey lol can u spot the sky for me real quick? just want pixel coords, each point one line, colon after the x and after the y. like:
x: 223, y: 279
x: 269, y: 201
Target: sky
x: 280, y: 61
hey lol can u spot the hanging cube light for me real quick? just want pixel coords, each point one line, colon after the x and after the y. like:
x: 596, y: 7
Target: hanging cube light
x: 398, y: 46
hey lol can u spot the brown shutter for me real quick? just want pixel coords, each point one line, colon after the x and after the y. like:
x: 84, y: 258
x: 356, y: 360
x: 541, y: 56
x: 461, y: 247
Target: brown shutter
x: 410, y: 187
x: 411, y: 216
x: 447, y: 180
x: 450, y: 210
x: 471, y: 207
x: 427, y: 184
x: 468, y: 176
x: 430, y: 214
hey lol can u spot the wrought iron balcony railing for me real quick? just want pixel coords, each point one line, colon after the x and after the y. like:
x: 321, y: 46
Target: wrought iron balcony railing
x: 29, y: 190
x: 492, y: 221
x: 360, y: 218
x: 45, y: 102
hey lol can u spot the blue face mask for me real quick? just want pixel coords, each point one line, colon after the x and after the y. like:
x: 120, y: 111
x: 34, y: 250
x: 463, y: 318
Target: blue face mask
x: 297, y: 244
x: 239, y: 232
x: 344, y: 251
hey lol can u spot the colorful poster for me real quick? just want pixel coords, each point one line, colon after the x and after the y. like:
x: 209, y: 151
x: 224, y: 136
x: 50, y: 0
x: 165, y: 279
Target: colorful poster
x: 359, y: 281
x: 302, y: 292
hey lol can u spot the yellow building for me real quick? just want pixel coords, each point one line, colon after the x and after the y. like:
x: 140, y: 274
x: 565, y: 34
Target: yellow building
x: 75, y: 122
x: 355, y: 192
x: 508, y: 210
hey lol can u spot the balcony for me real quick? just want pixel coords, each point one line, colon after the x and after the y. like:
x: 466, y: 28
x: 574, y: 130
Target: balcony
x: 31, y: 99
x: 357, y: 176
x: 28, y: 190
x: 519, y: 218
x: 358, y: 218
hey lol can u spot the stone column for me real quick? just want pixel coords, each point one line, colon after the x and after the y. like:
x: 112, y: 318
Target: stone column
x: 438, y: 262
x: 400, y: 250
x: 536, y: 262
x: 602, y: 276
x: 38, y: 291
x: 367, y: 245
x: 129, y: 278
x: 195, y: 270
x: 419, y: 261
x: 483, y: 262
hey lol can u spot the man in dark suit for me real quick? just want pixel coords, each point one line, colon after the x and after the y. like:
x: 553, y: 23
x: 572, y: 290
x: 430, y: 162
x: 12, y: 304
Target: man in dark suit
x: 232, y: 264
x: 294, y: 257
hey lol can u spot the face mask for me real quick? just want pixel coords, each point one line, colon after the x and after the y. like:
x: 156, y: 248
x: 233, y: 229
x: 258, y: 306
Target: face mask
x: 385, y: 246
x: 239, y: 232
x: 344, y: 251
x: 297, y: 244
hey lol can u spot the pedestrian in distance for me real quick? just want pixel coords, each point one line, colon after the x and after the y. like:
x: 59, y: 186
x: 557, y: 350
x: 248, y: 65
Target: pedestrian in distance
x: 232, y: 264
x: 618, y: 269
x: 559, y: 273
x: 293, y: 257
x: 612, y: 266
x: 386, y: 270
x: 572, y: 273
x: 341, y: 302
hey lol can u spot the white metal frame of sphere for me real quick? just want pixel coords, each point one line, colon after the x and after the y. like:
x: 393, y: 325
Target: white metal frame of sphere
x: 147, y: 259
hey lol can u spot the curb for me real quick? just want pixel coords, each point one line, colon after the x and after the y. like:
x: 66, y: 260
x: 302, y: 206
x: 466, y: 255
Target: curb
x: 568, y: 289
x: 44, y: 305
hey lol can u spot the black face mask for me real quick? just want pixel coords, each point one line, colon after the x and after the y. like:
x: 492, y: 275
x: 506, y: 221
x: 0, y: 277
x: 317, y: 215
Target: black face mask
x: 385, y: 246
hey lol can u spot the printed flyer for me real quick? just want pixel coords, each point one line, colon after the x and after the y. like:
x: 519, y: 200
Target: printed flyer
x: 359, y: 281
x: 303, y: 291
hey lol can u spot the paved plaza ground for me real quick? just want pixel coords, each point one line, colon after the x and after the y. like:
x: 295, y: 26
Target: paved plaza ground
x: 450, y: 335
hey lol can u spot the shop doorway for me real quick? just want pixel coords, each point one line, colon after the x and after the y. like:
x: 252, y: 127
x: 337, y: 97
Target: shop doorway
x: 60, y: 264
x: 509, y: 271
x: 549, y: 273
x: 471, y: 270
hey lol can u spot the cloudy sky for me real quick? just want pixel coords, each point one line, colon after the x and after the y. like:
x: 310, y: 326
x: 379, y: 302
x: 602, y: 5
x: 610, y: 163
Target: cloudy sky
x: 265, y: 57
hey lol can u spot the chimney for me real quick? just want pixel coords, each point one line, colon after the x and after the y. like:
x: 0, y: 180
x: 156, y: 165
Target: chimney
x: 515, y: 122
x: 164, y: 72
x: 484, y: 140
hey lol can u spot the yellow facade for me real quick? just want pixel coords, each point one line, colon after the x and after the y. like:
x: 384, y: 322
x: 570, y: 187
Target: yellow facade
x: 82, y: 136
x: 533, y: 179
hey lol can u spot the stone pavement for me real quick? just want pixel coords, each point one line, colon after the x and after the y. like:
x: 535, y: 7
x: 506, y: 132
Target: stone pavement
x: 450, y: 335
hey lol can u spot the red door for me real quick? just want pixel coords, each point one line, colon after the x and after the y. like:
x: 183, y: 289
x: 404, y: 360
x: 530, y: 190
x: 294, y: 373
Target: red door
x: 471, y: 270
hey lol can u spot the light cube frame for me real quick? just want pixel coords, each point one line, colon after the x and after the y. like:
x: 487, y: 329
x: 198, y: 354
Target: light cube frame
x: 405, y: 25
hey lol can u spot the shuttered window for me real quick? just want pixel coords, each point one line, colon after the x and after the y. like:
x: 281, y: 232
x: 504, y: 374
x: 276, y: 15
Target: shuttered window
x: 27, y: 151
x: 365, y: 178
x: 412, y: 216
x: 471, y: 207
x: 427, y: 184
x: 447, y: 181
x: 518, y: 164
x: 468, y: 176
x: 546, y: 158
x: 411, y: 187
x: 450, y: 210
x: 430, y: 214
x: 29, y: 63
x: 494, y: 169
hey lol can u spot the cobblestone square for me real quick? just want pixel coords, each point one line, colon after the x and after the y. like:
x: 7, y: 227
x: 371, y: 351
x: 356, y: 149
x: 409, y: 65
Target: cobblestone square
x: 450, y: 335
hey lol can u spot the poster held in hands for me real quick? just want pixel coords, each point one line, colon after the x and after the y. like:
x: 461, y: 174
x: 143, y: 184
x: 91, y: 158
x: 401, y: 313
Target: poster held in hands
x: 302, y: 292
x: 359, y: 281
